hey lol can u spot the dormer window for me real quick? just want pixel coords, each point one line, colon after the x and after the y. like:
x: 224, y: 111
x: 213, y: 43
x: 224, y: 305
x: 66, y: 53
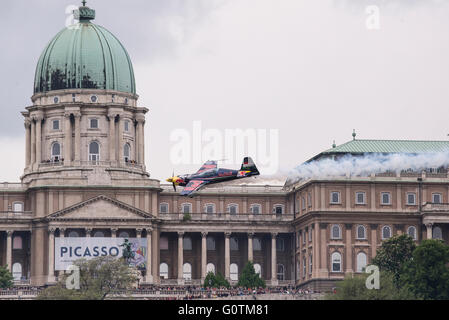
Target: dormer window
x: 93, y: 99
x: 56, y: 99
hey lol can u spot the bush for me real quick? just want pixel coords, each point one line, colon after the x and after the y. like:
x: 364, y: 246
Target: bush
x: 6, y: 278
x: 249, y: 278
x: 215, y: 281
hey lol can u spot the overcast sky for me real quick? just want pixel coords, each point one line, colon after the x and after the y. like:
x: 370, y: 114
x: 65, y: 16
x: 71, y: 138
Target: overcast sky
x: 310, y: 69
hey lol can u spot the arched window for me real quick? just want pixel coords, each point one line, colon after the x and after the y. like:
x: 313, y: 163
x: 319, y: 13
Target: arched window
x: 17, y: 206
x: 17, y: 271
x: 336, y: 262
x: 127, y: 152
x: 210, y: 242
x: 187, y: 271
x: 209, y: 208
x: 233, y: 208
x: 234, y: 272
x: 386, y: 232
x: 99, y: 234
x: 163, y: 208
x: 94, y: 152
x: 55, y: 152
x: 123, y: 234
x: 257, y: 244
x: 336, y: 232
x: 163, y: 270
x: 187, y: 243
x: 73, y: 234
x: 411, y: 231
x: 256, y: 209
x: 234, y: 244
x: 361, y: 261
x: 437, y: 233
x: 186, y: 208
x: 210, y: 268
x: 17, y: 243
x: 258, y: 269
x: 280, y: 272
x: 361, y: 232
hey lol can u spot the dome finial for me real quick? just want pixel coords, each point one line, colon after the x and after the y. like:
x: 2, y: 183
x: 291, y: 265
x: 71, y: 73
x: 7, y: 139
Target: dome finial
x: 84, y: 14
x: 334, y: 145
x: 353, y: 134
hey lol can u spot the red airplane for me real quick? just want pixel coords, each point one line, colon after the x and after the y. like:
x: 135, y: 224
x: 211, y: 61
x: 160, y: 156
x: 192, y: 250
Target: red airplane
x: 209, y: 173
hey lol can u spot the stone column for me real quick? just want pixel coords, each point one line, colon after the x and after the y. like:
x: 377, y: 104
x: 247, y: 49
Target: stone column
x: 429, y: 230
x: 33, y: 143
x: 250, y: 246
x: 155, y: 255
x: 203, y: 256
x: 9, y: 249
x: 139, y: 233
x: 77, y: 138
x: 180, y: 257
x: 112, y: 139
x: 88, y: 232
x: 38, y: 140
x: 274, y: 280
x: 373, y: 239
x: 27, y: 142
x: 149, y: 271
x: 114, y: 232
x: 139, y: 141
x: 67, y: 140
x: 324, y: 267
x: 51, y: 255
x: 121, y: 142
x: 348, y: 250
x: 61, y: 233
x: 227, y: 256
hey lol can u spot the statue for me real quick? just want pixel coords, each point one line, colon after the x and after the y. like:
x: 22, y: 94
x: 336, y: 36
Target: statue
x: 127, y: 252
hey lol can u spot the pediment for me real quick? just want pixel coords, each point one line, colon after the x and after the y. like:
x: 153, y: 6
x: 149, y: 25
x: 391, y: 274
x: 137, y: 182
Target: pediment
x: 100, y: 208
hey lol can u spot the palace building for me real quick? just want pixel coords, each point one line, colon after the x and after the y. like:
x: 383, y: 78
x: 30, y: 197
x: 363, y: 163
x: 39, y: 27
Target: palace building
x: 85, y: 179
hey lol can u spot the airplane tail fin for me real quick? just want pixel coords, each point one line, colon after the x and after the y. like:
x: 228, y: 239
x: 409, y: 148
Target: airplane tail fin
x: 249, y: 165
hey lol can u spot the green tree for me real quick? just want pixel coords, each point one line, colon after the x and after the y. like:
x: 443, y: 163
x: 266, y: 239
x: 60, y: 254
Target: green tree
x: 6, y: 278
x: 393, y: 254
x: 354, y: 288
x: 427, y: 273
x: 249, y: 278
x: 215, y: 281
x: 99, y: 277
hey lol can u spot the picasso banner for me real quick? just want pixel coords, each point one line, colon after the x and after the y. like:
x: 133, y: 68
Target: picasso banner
x: 68, y: 250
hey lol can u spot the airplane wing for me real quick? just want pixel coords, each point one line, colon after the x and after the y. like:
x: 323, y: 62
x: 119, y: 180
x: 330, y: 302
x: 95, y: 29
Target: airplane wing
x: 207, y: 166
x: 192, y: 186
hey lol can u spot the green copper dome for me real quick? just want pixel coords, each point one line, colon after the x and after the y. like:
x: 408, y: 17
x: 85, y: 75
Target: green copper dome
x: 84, y: 56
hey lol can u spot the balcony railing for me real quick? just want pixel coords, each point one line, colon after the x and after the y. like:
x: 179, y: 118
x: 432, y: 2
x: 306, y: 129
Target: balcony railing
x: 225, y: 217
x: 430, y: 206
x: 16, y: 215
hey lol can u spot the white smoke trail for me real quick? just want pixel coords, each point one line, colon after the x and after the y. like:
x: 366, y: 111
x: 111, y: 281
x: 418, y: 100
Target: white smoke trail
x: 369, y: 164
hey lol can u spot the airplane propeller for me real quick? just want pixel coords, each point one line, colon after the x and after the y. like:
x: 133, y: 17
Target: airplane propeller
x: 174, y: 185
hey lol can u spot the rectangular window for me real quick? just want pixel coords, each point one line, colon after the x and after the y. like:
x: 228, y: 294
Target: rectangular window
x: 303, y: 203
x: 436, y: 198
x: 126, y: 126
x: 310, y: 235
x: 94, y: 123
x: 209, y: 208
x: 385, y: 198
x: 411, y: 198
x: 304, y: 237
x: 335, y: 197
x: 309, y: 200
x: 186, y: 208
x: 55, y: 124
x: 360, y: 198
